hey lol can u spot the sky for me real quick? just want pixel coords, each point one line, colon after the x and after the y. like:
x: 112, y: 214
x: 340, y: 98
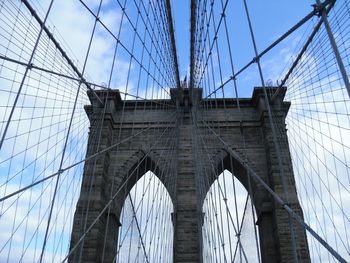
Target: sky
x: 72, y: 25
x: 270, y: 19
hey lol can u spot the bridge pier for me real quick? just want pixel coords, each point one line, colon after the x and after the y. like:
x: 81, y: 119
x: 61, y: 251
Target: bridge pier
x: 183, y: 179
x: 187, y: 227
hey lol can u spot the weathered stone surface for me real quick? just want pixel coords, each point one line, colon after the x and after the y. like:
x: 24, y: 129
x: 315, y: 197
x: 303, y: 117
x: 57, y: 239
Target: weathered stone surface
x: 182, y: 171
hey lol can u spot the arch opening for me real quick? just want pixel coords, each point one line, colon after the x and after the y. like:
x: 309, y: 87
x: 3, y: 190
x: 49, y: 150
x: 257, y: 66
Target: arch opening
x: 146, y: 231
x: 229, y: 232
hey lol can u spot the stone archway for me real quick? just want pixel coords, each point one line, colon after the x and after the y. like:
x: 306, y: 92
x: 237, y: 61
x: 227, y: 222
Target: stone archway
x: 140, y: 215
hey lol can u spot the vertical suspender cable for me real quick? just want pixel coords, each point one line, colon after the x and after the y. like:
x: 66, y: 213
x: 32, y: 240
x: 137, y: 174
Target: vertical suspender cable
x: 28, y: 67
x: 274, y: 134
x: 335, y: 49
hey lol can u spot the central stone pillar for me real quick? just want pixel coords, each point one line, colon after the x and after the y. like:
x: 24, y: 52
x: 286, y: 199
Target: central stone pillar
x: 186, y: 217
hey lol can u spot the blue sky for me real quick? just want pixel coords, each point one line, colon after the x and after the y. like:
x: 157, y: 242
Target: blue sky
x: 72, y: 24
x: 270, y: 19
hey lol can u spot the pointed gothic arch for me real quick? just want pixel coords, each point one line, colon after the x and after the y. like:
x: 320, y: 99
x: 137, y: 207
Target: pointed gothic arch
x: 229, y: 222
x: 147, y: 206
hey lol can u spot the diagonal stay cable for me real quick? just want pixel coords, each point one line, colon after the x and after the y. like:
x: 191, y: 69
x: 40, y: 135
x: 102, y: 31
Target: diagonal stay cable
x: 58, y: 46
x: 138, y: 228
x: 223, y: 195
x: 91, y: 157
x: 24, y: 77
x: 148, y: 215
x: 335, y: 48
x: 124, y: 46
x: 300, y: 55
x: 67, y: 138
x: 277, y: 198
x: 112, y: 199
x: 241, y: 226
x: 315, y: 12
x: 172, y: 38
x: 87, y: 83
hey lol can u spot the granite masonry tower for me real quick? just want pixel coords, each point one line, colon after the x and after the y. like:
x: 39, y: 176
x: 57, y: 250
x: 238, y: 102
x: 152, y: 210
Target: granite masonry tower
x: 108, y: 172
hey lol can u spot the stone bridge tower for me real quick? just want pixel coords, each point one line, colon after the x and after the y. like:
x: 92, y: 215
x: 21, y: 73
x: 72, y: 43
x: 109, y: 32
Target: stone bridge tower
x: 187, y: 118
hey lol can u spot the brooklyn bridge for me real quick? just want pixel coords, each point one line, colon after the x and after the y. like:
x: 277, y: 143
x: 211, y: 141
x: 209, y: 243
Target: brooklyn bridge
x: 168, y: 131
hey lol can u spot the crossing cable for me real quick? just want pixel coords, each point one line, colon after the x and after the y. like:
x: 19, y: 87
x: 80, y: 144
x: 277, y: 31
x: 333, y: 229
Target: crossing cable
x: 111, y: 200
x: 172, y: 37
x: 29, y: 148
x: 192, y: 43
x: 22, y: 84
x: 34, y: 67
x: 119, y: 133
x: 46, y: 139
x: 320, y: 144
x: 24, y: 77
x: 35, y: 145
x: 96, y: 16
x: 25, y: 188
x: 124, y: 46
x: 273, y: 129
x: 152, y: 208
x: 84, y: 160
x: 58, y: 46
x: 125, y: 194
x: 218, y: 53
x: 166, y: 104
x: 329, y: 93
x: 241, y: 227
x: 325, y: 94
x: 89, y: 84
x: 320, y: 160
x: 66, y: 140
x: 109, y: 85
x: 211, y: 46
x: 163, y: 174
x: 277, y: 198
x: 242, y: 137
x: 203, y: 145
x: 98, y: 132
x: 163, y: 26
x: 135, y: 106
x: 304, y: 153
x: 138, y: 228
x: 7, y: 15
x: 221, y: 236
x: 91, y: 157
x: 335, y: 50
x: 321, y: 197
x: 300, y: 55
x: 165, y: 22
x: 329, y: 150
x: 39, y: 198
x: 141, y: 131
x: 217, y: 252
x: 21, y: 173
x: 49, y: 177
x: 220, y: 191
x: 33, y: 206
x: 282, y: 142
x: 315, y: 12
x: 135, y: 109
x: 223, y: 194
x: 43, y: 80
